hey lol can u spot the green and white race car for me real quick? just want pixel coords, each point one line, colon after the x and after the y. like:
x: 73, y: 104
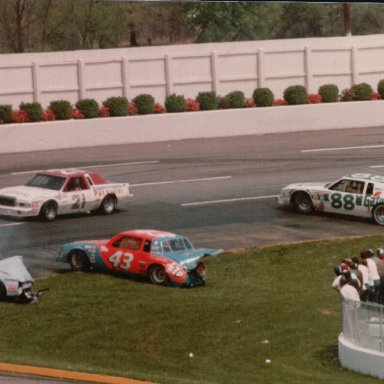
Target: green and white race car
x: 358, y: 194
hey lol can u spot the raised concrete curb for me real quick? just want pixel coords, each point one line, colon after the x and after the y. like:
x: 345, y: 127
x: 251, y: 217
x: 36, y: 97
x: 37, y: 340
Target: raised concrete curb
x: 67, y: 375
x: 30, y: 137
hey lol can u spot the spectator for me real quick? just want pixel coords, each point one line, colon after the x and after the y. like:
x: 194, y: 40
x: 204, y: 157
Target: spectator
x: 365, y: 288
x: 374, y: 276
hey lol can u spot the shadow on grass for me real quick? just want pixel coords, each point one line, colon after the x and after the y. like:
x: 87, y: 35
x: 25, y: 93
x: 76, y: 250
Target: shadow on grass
x: 329, y: 355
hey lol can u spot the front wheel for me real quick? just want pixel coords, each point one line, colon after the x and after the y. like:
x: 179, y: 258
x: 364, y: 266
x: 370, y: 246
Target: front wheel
x: 303, y: 203
x: 3, y: 292
x: 108, y: 205
x: 48, y: 211
x: 157, y: 275
x: 78, y: 261
x: 378, y: 214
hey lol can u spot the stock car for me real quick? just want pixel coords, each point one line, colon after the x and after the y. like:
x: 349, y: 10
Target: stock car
x: 62, y: 191
x: 358, y: 194
x: 164, y: 257
x: 15, y: 280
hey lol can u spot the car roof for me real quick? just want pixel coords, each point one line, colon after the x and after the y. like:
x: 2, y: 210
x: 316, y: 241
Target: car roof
x: 150, y: 234
x: 366, y: 177
x: 64, y: 172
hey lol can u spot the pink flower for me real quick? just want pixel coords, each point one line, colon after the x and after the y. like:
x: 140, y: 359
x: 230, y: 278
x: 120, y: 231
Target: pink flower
x: 132, y: 109
x: 192, y: 105
x: 249, y: 103
x: 279, y: 102
x: 314, y: 99
x: 104, y: 111
x: 375, y: 96
x: 158, y: 108
x: 49, y: 115
x: 76, y: 114
x: 20, y: 116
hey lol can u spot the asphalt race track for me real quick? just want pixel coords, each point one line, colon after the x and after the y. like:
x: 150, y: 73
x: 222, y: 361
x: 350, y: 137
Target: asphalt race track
x: 219, y: 192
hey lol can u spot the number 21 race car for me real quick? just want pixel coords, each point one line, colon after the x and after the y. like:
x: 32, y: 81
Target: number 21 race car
x: 63, y: 191
x: 358, y: 194
x: 164, y: 257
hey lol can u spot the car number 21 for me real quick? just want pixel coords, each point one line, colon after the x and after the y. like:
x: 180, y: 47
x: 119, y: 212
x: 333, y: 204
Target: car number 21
x: 121, y: 260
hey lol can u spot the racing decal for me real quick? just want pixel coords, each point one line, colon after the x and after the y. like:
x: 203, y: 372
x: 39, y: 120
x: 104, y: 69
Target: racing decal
x: 79, y: 201
x: 349, y: 201
x: 121, y: 260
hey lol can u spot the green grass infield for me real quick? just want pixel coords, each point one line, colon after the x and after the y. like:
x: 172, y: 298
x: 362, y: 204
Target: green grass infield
x: 266, y: 315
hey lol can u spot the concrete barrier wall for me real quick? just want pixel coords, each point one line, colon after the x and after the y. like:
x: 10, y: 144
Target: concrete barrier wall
x: 359, y: 359
x: 188, y: 125
x: 189, y: 69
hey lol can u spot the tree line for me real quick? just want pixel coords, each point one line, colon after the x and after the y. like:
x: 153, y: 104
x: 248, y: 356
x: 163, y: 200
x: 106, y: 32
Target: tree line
x: 57, y: 25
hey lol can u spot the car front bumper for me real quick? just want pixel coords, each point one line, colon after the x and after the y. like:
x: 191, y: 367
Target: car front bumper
x: 17, y: 211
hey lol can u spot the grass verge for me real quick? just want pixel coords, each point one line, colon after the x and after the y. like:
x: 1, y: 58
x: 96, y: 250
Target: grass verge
x: 264, y: 304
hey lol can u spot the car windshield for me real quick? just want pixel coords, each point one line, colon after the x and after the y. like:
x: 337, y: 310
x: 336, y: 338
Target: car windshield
x: 46, y: 181
x: 175, y: 245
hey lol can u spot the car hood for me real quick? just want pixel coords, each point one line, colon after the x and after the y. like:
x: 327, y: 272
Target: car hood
x: 24, y: 192
x: 312, y: 185
x: 191, y: 258
x: 14, y: 268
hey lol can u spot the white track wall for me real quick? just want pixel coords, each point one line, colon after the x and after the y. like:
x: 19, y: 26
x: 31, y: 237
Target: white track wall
x: 189, y: 69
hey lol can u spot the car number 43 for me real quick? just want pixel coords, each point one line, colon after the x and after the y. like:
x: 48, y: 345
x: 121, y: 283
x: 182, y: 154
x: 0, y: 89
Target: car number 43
x: 121, y: 260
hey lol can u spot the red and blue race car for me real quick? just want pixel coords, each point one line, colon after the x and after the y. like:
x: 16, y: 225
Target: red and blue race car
x: 164, y: 257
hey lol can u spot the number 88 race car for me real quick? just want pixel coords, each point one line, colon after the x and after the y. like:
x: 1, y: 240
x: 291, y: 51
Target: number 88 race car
x: 357, y: 194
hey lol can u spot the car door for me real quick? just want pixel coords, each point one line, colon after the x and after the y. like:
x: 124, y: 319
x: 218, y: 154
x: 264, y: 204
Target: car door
x: 77, y: 196
x: 346, y: 196
x: 123, y: 254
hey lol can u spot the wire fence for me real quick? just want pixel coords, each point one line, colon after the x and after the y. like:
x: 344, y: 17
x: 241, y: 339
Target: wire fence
x: 363, y: 324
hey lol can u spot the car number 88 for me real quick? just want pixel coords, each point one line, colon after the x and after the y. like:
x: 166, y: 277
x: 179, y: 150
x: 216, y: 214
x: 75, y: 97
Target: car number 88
x: 339, y: 201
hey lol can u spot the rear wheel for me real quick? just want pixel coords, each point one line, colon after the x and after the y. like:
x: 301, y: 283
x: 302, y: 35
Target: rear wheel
x: 3, y: 292
x: 48, y: 211
x: 108, y: 205
x: 303, y: 203
x: 78, y: 261
x: 157, y: 275
x: 378, y: 214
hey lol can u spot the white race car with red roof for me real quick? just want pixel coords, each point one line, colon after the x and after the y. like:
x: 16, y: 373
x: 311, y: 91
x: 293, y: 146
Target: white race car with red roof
x: 63, y: 191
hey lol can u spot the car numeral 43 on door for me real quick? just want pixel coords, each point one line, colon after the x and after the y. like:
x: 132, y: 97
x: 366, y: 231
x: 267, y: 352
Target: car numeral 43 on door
x: 121, y: 260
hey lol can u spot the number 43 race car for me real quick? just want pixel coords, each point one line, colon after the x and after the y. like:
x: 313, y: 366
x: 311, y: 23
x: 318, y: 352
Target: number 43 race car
x: 164, y: 257
x: 62, y: 191
x: 357, y: 194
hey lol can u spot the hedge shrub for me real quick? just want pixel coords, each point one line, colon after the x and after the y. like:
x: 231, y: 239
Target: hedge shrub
x: 145, y: 104
x: 62, y: 109
x: 224, y: 102
x: 295, y: 94
x: 236, y: 99
x: 6, y: 114
x: 118, y: 105
x: 208, y: 101
x: 88, y: 107
x: 34, y: 110
x: 380, y: 88
x: 362, y: 91
x: 175, y: 103
x: 263, y: 97
x: 329, y: 93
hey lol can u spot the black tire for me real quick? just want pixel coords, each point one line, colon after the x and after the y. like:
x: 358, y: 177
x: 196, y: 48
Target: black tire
x: 303, y: 202
x: 3, y: 292
x: 78, y: 261
x: 157, y: 275
x: 108, y: 205
x: 48, y: 211
x: 378, y: 214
